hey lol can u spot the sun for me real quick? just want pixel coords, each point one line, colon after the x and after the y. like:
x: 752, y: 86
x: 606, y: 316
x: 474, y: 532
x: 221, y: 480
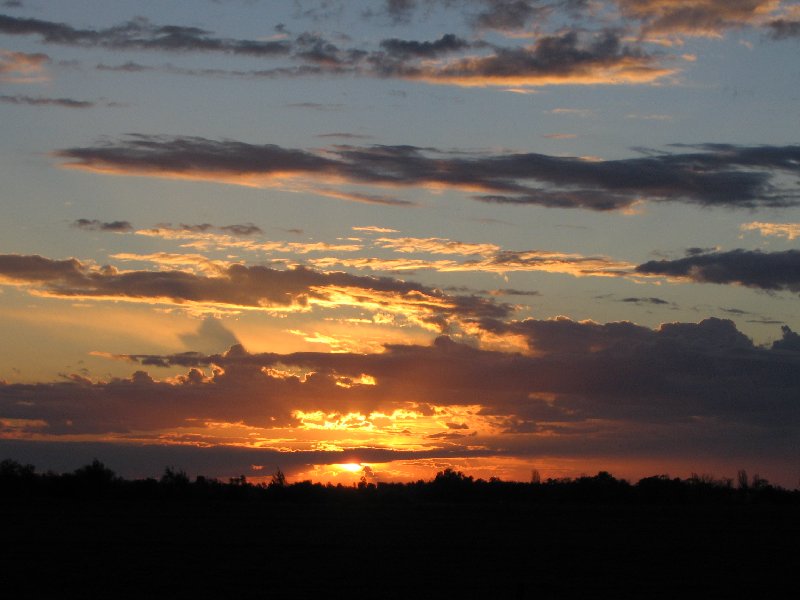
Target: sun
x: 350, y: 467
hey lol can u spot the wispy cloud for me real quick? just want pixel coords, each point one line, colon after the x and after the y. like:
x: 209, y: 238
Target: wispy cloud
x: 240, y: 287
x: 139, y: 34
x: 788, y: 230
x: 708, y: 18
x: 43, y: 101
x: 23, y: 67
x: 95, y: 225
x: 715, y: 175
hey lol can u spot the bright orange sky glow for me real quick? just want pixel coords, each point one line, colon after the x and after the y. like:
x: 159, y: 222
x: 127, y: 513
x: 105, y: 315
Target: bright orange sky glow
x: 375, y: 240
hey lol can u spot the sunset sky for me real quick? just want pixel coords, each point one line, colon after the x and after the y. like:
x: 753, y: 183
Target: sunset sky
x: 382, y: 238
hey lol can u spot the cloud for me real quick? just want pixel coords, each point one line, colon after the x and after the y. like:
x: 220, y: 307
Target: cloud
x: 714, y: 175
x: 774, y: 271
x: 404, y: 49
x: 508, y: 15
x: 514, y: 292
x: 571, y: 58
x: 374, y: 229
x: 400, y: 10
x: 211, y: 336
x: 790, y: 341
x: 584, y: 389
x: 359, y: 197
x: 41, y: 101
x: 709, y: 18
x: 501, y: 262
x: 240, y: 229
x: 22, y: 67
x: 782, y: 29
x: 240, y: 287
x: 436, y: 246
x: 95, y: 225
x: 788, y: 230
x: 650, y: 300
x: 140, y: 34
x: 568, y: 58
x: 344, y: 135
x: 560, y: 136
x: 230, y: 236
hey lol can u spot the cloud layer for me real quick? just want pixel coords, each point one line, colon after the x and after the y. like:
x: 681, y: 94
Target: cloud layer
x: 236, y: 286
x: 715, y: 175
x: 604, y: 389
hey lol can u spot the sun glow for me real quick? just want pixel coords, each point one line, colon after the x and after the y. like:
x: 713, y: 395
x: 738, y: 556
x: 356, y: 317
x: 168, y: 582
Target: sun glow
x: 350, y: 467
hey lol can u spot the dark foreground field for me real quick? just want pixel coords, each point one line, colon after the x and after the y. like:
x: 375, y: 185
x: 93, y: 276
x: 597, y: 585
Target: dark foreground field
x: 363, y: 543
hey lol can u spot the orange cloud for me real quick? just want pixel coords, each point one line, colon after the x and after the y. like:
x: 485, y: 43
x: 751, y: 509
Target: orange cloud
x: 22, y: 67
x: 239, y: 287
x: 706, y: 18
x: 788, y: 230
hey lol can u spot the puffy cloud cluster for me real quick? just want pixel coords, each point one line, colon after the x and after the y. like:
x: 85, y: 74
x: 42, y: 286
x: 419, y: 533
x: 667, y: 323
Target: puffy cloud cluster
x: 608, y: 388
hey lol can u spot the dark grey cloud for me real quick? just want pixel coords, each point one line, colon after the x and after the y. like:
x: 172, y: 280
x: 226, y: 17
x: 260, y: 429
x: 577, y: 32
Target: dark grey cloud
x: 404, y: 49
x: 715, y: 176
x: 783, y: 29
x: 502, y: 15
x: 735, y: 311
x: 772, y: 271
x: 400, y: 10
x: 570, y: 57
x: 344, y: 135
x: 318, y: 10
x: 790, y: 340
x: 243, y: 229
x: 140, y: 34
x: 509, y: 15
x: 42, y: 101
x: 95, y: 225
x: 648, y: 300
x: 514, y: 292
x: 12, y: 4
x: 695, y: 250
x: 314, y: 48
x: 273, y: 73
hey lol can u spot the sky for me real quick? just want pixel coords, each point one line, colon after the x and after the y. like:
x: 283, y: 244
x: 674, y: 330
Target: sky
x: 380, y: 239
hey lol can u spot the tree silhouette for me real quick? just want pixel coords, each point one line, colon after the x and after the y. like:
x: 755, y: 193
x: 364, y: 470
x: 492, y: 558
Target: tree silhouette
x: 278, y: 479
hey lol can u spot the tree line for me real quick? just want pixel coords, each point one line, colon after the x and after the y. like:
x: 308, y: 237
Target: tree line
x: 98, y: 482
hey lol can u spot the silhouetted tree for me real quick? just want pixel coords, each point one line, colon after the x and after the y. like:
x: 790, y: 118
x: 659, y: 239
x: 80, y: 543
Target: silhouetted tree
x: 278, y: 479
x: 95, y: 474
x: 175, y: 478
x: 742, y: 481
